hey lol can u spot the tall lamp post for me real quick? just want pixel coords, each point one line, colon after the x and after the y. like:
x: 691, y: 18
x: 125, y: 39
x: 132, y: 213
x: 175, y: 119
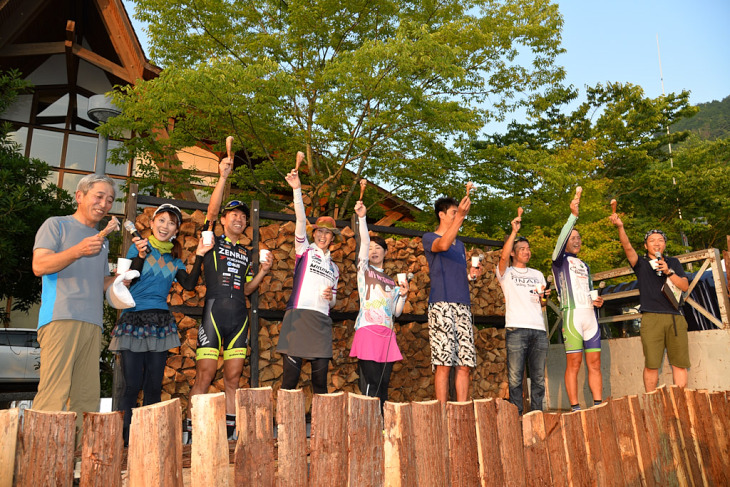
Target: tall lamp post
x: 101, y: 109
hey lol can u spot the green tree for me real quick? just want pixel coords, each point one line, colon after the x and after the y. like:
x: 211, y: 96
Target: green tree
x: 26, y: 201
x: 614, y: 145
x: 386, y: 89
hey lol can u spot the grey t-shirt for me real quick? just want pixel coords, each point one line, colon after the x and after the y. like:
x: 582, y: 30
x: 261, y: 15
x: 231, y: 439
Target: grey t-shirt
x: 77, y: 291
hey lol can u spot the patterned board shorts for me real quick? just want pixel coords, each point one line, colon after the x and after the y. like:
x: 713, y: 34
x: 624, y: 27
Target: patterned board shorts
x: 451, y: 334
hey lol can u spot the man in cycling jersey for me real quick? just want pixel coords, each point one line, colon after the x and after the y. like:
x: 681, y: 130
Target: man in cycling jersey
x: 580, y: 325
x: 225, y: 317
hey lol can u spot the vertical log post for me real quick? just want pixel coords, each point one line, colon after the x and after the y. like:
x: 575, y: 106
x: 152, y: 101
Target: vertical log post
x: 609, y: 445
x: 721, y: 421
x: 328, y: 459
x: 510, y: 443
x: 621, y: 416
x: 556, y: 447
x: 46, y: 452
x: 646, y: 447
x: 698, y: 405
x: 209, y: 453
x: 9, y: 422
x: 365, y: 441
x: 675, y: 407
x: 429, y: 428
x: 255, y: 462
x: 462, y: 434
x: 490, y: 466
x: 689, y: 431
x: 292, y: 435
x: 671, y: 471
x: 399, y: 448
x: 101, y: 449
x: 154, y: 456
x: 537, y: 457
x: 594, y: 453
x: 575, y: 444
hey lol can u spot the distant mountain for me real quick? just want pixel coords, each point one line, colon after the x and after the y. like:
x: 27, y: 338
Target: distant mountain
x: 711, y: 122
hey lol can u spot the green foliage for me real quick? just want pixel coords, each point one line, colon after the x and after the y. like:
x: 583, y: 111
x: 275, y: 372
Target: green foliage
x: 385, y: 89
x: 712, y: 121
x: 614, y: 145
x: 26, y: 201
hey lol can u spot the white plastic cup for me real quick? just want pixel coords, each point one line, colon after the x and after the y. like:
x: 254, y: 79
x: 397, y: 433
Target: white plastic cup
x: 208, y: 237
x: 264, y: 255
x: 653, y: 263
x: 123, y: 265
x: 475, y: 261
x: 594, y: 294
x: 402, y: 278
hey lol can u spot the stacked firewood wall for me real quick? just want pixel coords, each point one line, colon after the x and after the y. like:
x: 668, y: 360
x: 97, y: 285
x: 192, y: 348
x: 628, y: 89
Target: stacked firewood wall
x: 412, y: 378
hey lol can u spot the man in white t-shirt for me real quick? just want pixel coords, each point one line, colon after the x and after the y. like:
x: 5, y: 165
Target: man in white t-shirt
x: 526, y: 338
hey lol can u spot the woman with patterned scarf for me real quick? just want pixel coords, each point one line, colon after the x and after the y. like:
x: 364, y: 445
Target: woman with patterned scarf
x: 145, y: 333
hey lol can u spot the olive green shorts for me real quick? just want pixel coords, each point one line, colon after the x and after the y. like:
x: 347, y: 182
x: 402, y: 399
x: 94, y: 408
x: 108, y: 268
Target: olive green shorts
x: 661, y: 331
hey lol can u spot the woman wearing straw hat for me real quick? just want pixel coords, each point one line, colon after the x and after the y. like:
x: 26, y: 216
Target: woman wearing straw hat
x: 306, y: 331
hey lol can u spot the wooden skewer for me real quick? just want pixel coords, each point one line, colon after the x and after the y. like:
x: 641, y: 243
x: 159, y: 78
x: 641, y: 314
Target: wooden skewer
x: 363, y: 183
x: 469, y: 185
x: 300, y: 158
x: 519, y: 212
x: 229, y: 146
x: 614, y: 204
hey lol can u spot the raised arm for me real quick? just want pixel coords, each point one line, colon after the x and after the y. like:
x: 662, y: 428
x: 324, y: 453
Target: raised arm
x: 214, y: 206
x: 300, y: 231
x: 568, y: 227
x: 362, y: 226
x: 624, y: 239
x: 443, y: 243
x: 509, y: 245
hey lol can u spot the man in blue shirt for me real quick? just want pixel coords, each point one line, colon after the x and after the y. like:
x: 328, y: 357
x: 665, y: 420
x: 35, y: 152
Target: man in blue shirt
x: 449, y: 305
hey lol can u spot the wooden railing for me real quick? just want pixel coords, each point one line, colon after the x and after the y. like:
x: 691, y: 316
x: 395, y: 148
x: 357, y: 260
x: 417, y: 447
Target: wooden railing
x: 671, y: 436
x: 710, y: 259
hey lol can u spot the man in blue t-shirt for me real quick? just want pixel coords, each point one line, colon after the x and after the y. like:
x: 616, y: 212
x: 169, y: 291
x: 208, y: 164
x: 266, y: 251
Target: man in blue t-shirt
x: 450, y: 330
x: 70, y: 254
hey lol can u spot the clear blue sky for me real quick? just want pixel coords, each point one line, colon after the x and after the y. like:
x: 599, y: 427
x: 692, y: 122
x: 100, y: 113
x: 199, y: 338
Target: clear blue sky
x: 616, y: 40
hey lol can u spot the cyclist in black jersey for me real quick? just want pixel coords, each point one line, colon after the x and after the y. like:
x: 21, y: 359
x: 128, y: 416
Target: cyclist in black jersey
x: 225, y: 319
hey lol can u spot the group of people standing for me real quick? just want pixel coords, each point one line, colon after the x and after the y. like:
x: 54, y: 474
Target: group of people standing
x: 71, y: 256
x: 662, y: 325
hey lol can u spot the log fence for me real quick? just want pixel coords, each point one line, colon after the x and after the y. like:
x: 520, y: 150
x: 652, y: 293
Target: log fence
x: 671, y: 436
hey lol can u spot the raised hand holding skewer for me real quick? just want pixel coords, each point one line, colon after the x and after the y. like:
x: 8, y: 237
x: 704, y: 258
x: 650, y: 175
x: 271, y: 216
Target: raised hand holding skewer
x: 229, y: 147
x: 576, y: 201
x: 363, y: 183
x: 300, y: 158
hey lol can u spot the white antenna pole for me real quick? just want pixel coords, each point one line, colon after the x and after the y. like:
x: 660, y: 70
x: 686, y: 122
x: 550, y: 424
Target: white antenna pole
x: 685, y: 242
